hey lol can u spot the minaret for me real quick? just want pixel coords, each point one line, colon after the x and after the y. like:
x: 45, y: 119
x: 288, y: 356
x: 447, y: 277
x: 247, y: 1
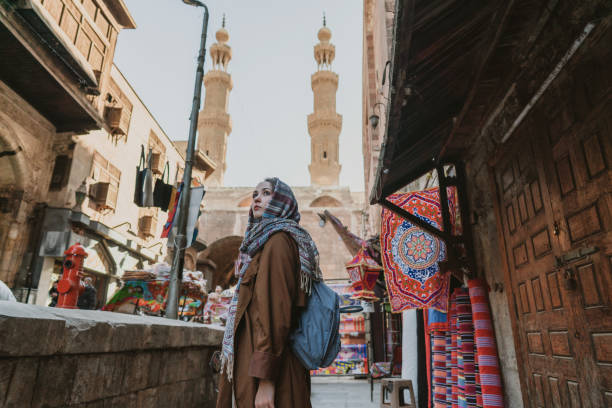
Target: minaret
x: 324, y: 124
x: 214, y: 123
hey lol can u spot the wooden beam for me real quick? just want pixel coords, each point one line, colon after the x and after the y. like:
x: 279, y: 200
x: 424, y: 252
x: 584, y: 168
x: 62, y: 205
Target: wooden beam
x: 443, y: 235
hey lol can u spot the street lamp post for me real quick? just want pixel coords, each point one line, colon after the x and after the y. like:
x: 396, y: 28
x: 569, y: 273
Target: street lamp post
x: 180, y: 240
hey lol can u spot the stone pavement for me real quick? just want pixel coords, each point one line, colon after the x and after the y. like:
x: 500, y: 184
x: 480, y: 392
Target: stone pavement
x: 343, y: 392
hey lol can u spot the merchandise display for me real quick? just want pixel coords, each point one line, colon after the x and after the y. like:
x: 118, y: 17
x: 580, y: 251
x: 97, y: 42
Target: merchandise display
x: 145, y: 291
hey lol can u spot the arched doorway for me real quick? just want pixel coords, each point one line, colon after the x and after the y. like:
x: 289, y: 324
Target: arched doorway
x: 325, y: 201
x: 223, y: 252
x: 13, y: 224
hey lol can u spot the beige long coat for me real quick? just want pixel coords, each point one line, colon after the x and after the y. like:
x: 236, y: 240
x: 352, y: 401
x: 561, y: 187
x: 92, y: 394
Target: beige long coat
x: 267, y: 304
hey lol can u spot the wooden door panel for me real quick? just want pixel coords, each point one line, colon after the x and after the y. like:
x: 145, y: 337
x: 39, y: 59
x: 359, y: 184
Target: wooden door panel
x: 579, y: 180
x: 545, y: 331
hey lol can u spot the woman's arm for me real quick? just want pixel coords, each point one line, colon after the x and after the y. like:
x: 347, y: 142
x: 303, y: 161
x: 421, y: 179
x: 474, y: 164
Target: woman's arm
x: 276, y: 285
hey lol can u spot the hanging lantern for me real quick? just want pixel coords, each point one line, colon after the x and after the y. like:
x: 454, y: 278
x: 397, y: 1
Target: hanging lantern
x: 363, y: 272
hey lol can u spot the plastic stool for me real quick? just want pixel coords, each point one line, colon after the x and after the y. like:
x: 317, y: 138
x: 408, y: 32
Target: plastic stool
x: 396, y: 387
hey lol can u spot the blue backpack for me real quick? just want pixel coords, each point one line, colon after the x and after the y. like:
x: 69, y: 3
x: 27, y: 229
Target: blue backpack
x: 316, y: 340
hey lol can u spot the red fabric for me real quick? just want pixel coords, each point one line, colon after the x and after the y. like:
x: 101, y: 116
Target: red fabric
x: 488, y: 365
x: 410, y: 256
x: 428, y: 358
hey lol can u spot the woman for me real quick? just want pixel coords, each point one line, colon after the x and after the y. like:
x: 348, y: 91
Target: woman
x: 277, y: 263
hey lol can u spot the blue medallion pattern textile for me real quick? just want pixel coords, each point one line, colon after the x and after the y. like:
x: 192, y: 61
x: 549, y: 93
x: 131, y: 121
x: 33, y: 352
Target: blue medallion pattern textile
x: 410, y: 256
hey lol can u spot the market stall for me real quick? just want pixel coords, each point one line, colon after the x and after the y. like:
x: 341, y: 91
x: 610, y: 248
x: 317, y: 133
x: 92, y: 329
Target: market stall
x: 145, y: 292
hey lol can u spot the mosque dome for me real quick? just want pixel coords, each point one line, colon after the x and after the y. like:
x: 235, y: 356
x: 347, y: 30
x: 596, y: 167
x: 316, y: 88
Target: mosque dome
x: 324, y: 34
x: 222, y: 35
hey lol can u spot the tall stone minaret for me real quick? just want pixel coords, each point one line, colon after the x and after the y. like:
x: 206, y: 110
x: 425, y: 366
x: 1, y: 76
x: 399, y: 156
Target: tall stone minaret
x: 324, y: 124
x: 214, y: 123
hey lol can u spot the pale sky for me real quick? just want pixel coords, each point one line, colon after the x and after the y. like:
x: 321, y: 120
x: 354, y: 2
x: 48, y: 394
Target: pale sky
x: 272, y: 43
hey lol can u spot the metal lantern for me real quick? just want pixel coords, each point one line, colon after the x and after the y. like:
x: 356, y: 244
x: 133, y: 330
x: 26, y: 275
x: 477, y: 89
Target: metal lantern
x: 363, y: 272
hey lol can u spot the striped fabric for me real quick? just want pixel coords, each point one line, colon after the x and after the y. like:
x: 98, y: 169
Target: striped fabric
x: 467, y: 370
x: 452, y: 351
x: 460, y: 343
x: 488, y: 366
x: 439, y: 369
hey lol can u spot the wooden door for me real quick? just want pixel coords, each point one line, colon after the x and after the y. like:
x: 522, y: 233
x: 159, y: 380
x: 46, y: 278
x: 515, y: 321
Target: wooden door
x: 554, y: 187
x: 579, y: 172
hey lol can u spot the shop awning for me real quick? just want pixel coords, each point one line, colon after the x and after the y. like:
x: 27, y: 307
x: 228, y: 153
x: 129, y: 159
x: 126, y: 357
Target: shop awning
x: 439, y: 48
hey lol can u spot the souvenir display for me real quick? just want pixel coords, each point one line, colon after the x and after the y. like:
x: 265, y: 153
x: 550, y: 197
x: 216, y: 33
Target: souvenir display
x: 145, y: 291
x: 363, y: 272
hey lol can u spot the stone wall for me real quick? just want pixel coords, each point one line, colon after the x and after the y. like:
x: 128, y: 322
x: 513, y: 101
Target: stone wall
x: 226, y: 213
x: 26, y: 143
x: 80, y: 358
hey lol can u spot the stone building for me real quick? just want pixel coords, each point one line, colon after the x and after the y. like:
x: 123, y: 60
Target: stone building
x: 324, y: 124
x: 57, y: 57
x: 511, y: 104
x: 214, y: 123
x: 117, y: 234
x: 226, y: 209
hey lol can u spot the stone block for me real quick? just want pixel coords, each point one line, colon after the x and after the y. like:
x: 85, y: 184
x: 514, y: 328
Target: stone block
x: 23, y: 381
x: 168, y: 395
x: 6, y: 372
x: 127, y: 337
x: 136, y: 373
x: 171, y: 367
x: 86, y: 386
x: 155, y: 367
x: 54, y: 381
x: 111, y: 371
x: 127, y: 401
x: 85, y: 336
x: 147, y: 398
x: 23, y: 326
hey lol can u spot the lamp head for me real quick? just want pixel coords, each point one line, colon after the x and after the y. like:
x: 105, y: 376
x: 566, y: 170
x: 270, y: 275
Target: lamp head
x: 374, y: 118
x: 322, y: 220
x: 193, y: 3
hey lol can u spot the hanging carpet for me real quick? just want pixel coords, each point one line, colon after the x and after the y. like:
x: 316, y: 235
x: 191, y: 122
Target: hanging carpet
x: 410, y: 255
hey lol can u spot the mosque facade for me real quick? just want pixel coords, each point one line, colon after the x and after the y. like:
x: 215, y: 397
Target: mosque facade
x: 225, y: 213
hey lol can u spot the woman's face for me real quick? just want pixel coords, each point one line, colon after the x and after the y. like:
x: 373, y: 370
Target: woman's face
x: 261, y: 197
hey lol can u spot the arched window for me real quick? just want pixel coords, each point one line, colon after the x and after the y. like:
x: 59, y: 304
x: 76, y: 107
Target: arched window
x: 245, y: 202
x: 325, y: 201
x: 324, y: 154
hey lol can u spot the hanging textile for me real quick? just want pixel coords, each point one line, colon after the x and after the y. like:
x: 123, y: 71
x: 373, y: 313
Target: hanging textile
x: 454, y: 357
x: 410, y: 255
x: 488, y: 366
x: 468, y: 389
x: 193, y: 213
x: 173, y: 206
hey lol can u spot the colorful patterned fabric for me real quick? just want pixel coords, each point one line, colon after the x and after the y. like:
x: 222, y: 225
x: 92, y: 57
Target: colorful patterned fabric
x: 172, y: 207
x: 488, y: 366
x: 467, y: 370
x: 281, y: 214
x: 410, y: 255
x: 437, y: 320
x: 464, y: 367
x: 440, y: 369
